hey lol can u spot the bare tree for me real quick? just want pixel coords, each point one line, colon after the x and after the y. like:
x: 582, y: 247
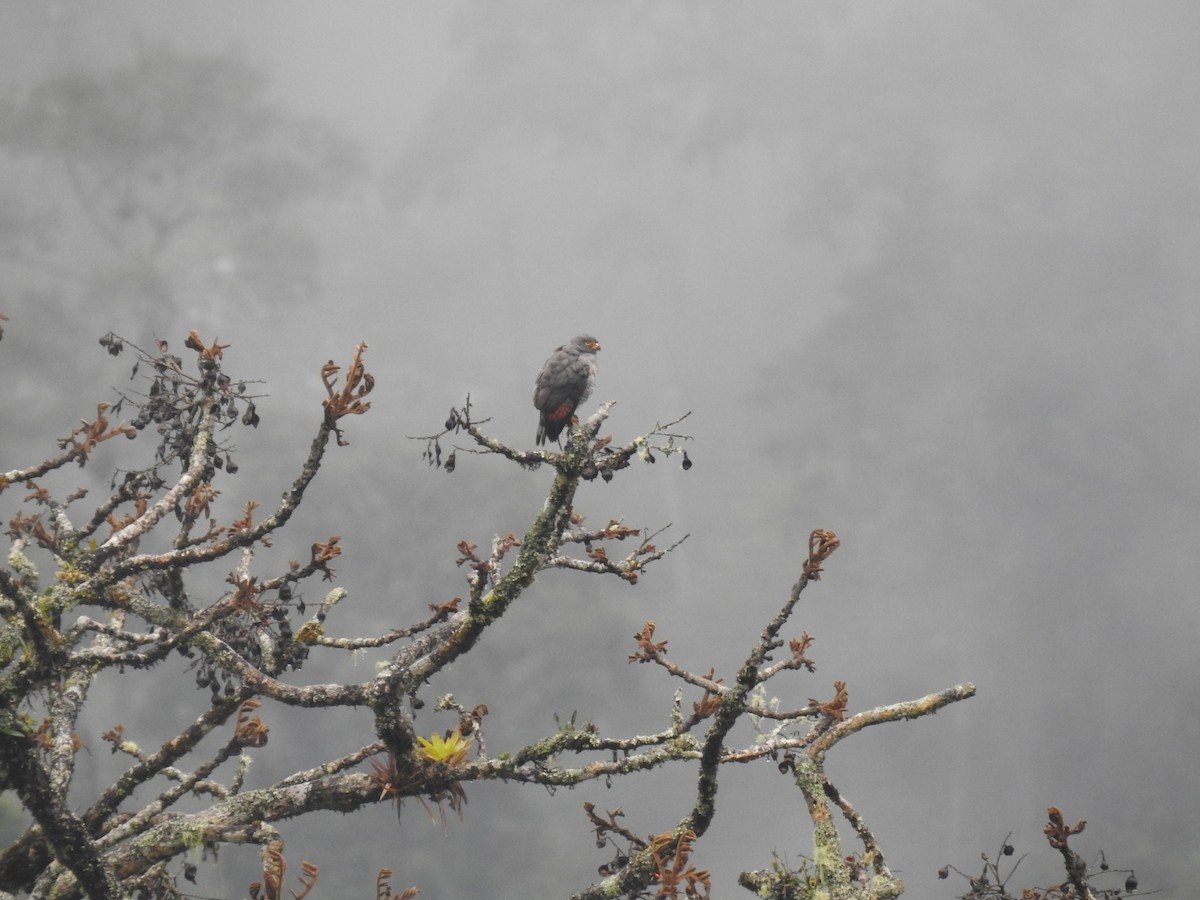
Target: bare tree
x: 126, y: 594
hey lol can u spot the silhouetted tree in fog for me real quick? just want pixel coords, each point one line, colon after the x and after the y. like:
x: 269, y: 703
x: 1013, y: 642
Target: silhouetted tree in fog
x: 169, y: 180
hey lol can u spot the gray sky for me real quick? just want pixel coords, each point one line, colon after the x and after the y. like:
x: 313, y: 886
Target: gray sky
x: 924, y: 274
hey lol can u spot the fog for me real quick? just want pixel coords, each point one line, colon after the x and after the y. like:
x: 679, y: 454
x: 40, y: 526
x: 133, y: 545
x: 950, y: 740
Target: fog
x: 924, y: 274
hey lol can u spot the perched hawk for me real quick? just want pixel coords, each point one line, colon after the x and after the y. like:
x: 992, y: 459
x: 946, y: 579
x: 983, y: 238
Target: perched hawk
x: 566, y: 380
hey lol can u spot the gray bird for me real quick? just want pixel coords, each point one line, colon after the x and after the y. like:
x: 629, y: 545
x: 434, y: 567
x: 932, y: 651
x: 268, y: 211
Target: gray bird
x: 566, y: 380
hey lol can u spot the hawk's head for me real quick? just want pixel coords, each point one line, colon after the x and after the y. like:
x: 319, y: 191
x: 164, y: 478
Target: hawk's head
x: 585, y: 343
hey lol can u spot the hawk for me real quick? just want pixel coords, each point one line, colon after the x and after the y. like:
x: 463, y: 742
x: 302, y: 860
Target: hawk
x: 566, y: 380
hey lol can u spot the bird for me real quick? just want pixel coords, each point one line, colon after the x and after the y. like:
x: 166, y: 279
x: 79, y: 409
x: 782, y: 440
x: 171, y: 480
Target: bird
x: 566, y: 380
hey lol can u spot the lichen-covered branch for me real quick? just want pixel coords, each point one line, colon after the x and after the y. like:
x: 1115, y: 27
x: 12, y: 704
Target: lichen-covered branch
x: 125, y: 579
x: 244, y: 639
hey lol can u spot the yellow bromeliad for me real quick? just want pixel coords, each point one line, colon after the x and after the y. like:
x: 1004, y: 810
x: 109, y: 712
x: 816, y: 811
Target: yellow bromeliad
x: 450, y: 750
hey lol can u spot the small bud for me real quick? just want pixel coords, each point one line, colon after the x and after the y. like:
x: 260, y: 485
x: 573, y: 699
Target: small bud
x: 944, y: 872
x: 1007, y: 850
x: 1131, y: 882
x: 687, y: 463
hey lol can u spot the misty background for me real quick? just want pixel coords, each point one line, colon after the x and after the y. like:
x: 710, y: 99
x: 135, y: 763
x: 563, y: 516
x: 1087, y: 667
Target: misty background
x: 925, y: 274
